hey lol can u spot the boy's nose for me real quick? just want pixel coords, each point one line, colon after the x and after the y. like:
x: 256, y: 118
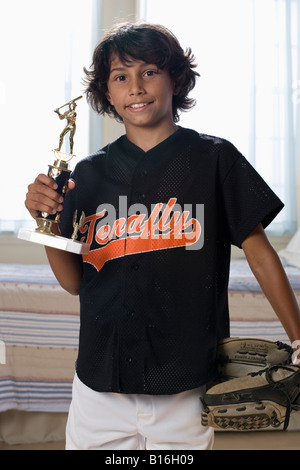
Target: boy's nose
x: 136, y: 87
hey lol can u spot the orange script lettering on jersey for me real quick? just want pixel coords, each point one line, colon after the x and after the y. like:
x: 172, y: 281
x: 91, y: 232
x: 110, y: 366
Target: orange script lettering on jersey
x: 166, y: 227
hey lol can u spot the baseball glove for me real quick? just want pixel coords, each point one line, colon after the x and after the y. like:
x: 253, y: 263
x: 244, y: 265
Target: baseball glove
x: 256, y: 401
x: 238, y: 357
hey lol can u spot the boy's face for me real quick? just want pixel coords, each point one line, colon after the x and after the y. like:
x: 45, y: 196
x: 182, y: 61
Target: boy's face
x: 141, y: 94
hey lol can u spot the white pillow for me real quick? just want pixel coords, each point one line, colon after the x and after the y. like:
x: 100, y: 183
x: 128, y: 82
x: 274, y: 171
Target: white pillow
x: 291, y: 253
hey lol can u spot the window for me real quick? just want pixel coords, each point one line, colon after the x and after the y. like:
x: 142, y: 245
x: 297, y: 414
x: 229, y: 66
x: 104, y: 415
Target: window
x: 248, y: 92
x: 44, y: 46
x: 247, y: 54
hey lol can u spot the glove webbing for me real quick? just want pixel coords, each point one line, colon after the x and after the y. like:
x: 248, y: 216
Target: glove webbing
x: 280, y: 388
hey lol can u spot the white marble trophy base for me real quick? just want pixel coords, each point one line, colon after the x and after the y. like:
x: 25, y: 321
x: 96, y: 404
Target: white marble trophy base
x: 54, y: 241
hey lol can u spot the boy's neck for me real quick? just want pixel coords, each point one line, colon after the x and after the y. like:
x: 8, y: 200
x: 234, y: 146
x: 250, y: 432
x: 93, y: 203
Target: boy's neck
x: 147, y: 138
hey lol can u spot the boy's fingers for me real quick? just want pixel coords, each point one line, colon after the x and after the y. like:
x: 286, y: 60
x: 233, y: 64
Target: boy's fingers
x: 44, y: 194
x: 36, y: 203
x: 46, y: 180
x: 43, y: 197
x: 43, y: 202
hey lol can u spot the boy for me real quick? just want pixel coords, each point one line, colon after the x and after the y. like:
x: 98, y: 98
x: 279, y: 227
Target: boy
x: 163, y: 205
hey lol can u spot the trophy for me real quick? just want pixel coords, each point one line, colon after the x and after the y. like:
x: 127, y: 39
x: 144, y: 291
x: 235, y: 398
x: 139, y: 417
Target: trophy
x: 60, y: 173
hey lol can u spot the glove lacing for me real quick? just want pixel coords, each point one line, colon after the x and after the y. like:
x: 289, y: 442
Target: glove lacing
x: 279, y: 386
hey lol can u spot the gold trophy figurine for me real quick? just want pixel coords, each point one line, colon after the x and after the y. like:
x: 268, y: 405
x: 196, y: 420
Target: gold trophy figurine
x: 60, y: 173
x: 70, y: 115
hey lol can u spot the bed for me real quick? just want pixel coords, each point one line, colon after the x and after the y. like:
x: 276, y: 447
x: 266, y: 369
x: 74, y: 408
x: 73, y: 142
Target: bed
x: 39, y: 324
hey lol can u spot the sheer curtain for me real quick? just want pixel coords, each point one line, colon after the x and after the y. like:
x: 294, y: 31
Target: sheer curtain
x: 249, y: 91
x: 44, y: 46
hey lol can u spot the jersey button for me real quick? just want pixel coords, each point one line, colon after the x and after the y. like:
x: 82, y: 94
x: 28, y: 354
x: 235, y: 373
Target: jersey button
x: 135, y: 266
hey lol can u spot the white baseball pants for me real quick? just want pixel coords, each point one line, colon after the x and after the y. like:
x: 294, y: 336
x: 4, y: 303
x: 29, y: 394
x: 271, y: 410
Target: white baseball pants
x: 115, y: 421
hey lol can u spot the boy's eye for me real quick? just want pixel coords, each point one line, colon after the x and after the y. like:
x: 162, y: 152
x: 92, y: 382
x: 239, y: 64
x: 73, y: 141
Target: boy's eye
x: 120, y: 78
x: 149, y: 73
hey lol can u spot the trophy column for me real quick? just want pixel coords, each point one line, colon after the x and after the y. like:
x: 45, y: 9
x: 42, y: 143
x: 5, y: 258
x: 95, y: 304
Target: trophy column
x: 60, y: 173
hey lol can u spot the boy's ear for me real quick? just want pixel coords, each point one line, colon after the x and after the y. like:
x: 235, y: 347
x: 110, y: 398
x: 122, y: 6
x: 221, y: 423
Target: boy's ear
x: 175, y: 89
x: 108, y: 97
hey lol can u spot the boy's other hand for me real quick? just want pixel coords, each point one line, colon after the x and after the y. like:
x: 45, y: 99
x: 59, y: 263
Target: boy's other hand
x: 42, y: 196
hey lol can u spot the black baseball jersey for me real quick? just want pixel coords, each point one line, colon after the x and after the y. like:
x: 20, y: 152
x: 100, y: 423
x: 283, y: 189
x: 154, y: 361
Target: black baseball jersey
x: 153, y: 296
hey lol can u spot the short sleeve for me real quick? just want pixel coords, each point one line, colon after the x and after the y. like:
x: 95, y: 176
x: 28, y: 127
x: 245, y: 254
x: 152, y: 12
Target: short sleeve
x: 248, y: 200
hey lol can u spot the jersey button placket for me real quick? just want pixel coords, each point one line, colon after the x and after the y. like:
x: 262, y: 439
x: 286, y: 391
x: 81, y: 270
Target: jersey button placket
x: 131, y: 336
x: 131, y: 314
x: 143, y: 173
x: 132, y: 342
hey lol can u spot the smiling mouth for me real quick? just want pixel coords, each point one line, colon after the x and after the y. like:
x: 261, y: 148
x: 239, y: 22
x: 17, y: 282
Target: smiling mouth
x: 138, y: 105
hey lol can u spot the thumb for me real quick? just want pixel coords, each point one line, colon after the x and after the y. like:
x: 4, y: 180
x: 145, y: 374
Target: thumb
x: 71, y: 185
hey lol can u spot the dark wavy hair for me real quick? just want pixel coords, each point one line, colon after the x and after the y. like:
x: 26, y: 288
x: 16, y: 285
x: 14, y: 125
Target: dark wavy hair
x: 151, y: 43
